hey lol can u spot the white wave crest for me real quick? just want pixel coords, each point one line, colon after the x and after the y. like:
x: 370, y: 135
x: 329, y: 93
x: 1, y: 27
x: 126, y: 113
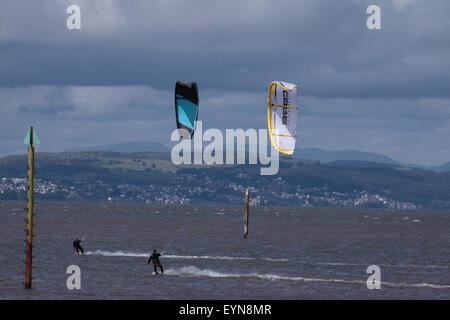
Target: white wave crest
x: 426, y: 266
x: 115, y: 254
x: 192, y: 271
x: 132, y: 254
x: 119, y: 253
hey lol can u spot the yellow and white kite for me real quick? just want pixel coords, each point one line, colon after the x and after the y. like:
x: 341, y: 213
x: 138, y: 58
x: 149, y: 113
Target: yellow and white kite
x: 282, y: 116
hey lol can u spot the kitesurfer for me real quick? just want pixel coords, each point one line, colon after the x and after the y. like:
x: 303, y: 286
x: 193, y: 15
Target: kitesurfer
x: 155, y: 258
x: 77, y: 246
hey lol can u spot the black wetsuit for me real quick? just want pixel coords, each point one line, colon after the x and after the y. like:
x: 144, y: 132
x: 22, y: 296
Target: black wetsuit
x: 155, y: 258
x: 76, y: 246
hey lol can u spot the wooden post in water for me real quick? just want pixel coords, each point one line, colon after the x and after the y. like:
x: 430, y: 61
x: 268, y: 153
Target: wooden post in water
x: 30, y: 139
x: 247, y: 196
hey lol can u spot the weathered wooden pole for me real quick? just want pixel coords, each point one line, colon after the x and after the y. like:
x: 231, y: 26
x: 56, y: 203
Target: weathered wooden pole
x: 30, y: 139
x: 247, y: 196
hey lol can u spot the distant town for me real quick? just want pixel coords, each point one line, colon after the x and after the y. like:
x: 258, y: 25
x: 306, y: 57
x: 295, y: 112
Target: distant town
x: 151, y: 177
x: 209, y: 190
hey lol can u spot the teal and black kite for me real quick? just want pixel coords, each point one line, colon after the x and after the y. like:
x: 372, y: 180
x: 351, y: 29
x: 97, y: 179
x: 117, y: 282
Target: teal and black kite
x: 186, y: 108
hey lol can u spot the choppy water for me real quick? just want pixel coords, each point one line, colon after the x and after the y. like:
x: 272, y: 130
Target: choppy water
x: 289, y: 253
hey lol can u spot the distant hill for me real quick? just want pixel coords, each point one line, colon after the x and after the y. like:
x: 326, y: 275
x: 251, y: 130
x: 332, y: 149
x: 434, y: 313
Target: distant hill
x: 352, y: 155
x: 444, y: 167
x: 133, y: 146
x: 300, y: 153
x: 152, y: 177
x: 305, y: 153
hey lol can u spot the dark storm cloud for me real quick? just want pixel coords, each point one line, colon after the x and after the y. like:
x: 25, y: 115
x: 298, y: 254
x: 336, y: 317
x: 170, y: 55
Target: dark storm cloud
x: 233, y: 45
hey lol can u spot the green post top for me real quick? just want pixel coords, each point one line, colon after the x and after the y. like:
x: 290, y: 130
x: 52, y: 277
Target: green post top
x: 31, y: 137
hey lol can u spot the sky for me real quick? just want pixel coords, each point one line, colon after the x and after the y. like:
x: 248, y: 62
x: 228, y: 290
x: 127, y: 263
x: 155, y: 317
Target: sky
x: 112, y: 81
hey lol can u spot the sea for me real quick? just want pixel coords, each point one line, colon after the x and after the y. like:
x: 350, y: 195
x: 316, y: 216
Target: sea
x: 289, y: 253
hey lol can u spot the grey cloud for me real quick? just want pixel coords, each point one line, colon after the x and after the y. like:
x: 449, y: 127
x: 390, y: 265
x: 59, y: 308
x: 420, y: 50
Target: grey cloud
x: 407, y: 130
x: 323, y: 45
x: 44, y: 111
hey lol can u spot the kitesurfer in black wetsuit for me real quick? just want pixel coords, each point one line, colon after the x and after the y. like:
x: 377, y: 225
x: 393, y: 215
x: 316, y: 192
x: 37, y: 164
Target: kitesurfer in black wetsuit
x: 77, y: 246
x: 155, y: 258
